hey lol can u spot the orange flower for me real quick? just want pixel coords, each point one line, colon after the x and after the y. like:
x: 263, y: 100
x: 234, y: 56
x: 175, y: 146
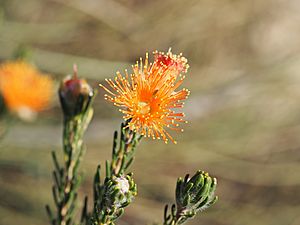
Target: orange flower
x: 24, y: 89
x: 149, y: 97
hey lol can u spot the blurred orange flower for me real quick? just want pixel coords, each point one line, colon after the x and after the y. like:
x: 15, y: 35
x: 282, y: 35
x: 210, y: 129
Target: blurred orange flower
x: 25, y: 90
x: 149, y: 97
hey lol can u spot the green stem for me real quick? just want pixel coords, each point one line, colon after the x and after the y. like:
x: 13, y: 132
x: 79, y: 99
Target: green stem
x: 124, y: 146
x: 72, y: 137
x: 66, y: 177
x: 124, y: 156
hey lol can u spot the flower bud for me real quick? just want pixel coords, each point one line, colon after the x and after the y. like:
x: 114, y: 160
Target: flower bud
x: 120, y: 191
x: 75, y: 95
x: 196, y: 193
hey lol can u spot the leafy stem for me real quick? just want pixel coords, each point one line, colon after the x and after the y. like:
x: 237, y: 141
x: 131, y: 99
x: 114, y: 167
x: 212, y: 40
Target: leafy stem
x: 118, y: 189
x: 123, y: 154
x: 193, y: 195
x: 76, y: 98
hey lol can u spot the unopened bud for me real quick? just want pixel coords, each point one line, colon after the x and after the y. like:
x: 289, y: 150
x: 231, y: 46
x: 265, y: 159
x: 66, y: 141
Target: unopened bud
x: 120, y: 191
x: 75, y: 95
x: 196, y: 193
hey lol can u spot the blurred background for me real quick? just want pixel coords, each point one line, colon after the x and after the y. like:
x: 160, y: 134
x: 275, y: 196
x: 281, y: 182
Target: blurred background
x: 244, y: 109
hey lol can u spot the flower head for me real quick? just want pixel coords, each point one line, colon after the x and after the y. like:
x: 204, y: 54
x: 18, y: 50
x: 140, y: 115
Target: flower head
x: 122, y: 184
x: 24, y: 89
x: 149, y: 97
x: 173, y: 63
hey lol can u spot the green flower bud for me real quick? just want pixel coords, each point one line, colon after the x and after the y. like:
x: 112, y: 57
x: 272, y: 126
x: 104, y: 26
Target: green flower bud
x: 195, y: 194
x: 75, y: 95
x: 113, y: 196
x: 119, y: 191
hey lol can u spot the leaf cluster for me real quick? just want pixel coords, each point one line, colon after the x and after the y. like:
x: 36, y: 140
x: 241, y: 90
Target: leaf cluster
x: 193, y: 195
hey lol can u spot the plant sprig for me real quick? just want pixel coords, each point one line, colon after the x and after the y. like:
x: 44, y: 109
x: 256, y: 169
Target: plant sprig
x: 122, y: 154
x: 123, y: 150
x: 76, y: 98
x: 193, y: 195
x: 117, y: 189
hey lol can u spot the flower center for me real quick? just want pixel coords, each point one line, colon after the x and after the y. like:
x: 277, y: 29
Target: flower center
x: 123, y: 184
x: 144, y: 107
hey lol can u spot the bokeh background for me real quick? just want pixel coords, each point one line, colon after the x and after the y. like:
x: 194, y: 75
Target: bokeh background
x: 244, y: 109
